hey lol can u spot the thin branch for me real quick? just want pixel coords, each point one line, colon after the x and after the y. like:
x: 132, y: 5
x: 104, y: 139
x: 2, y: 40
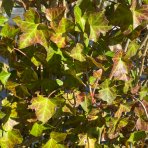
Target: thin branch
x: 96, y: 86
x: 51, y: 93
x: 143, y: 59
x: 144, y: 41
x: 126, y: 46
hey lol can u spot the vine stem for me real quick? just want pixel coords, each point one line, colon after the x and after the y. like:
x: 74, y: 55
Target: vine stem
x: 126, y: 45
x: 143, y: 59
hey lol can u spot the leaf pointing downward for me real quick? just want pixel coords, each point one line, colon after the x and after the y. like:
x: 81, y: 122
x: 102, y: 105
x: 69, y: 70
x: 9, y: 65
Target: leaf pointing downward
x: 44, y: 108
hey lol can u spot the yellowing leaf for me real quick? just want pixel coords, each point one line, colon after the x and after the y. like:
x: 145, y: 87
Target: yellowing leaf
x: 33, y: 32
x: 44, y: 108
x: 120, y: 69
x: 10, y: 139
x: 140, y: 15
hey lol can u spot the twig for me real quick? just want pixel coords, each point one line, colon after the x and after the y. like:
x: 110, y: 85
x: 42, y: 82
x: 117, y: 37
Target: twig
x: 144, y: 41
x: 143, y: 59
x: 51, y: 93
x: 126, y: 46
x: 145, y: 110
x: 96, y: 86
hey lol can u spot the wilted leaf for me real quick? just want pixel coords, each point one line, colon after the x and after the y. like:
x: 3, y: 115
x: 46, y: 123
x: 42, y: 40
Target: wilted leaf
x: 120, y: 68
x: 4, y: 76
x: 11, y: 139
x: 77, y: 53
x: 33, y: 32
x: 107, y: 93
x: 37, y: 129
x: 98, y: 24
x: 44, y: 108
x: 97, y: 74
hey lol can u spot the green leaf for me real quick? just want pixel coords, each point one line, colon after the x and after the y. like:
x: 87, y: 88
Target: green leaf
x: 59, y: 82
x: 2, y: 20
x: 58, y: 137
x: 86, y: 104
x: 77, y: 53
x: 98, y: 24
x: 4, y: 76
x: 10, y: 139
x: 9, y: 31
x: 107, y: 93
x: 2, y: 115
x: 143, y: 93
x: 132, y: 49
x: 44, y: 108
x: 137, y: 136
x: 79, y: 19
x: 37, y: 129
x: 53, y: 144
x: 33, y: 32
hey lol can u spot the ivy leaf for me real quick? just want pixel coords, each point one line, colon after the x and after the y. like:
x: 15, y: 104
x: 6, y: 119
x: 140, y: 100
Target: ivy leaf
x: 2, y: 20
x: 53, y: 144
x: 132, y: 49
x: 137, y: 136
x: 44, y: 108
x: 37, y: 129
x: 11, y: 139
x: 33, y: 32
x: 58, y: 137
x: 79, y: 19
x: 144, y: 93
x: 9, y: 31
x: 107, y: 93
x: 120, y: 69
x: 77, y: 54
x: 4, y: 76
x: 139, y: 15
x: 8, y: 126
x: 98, y: 24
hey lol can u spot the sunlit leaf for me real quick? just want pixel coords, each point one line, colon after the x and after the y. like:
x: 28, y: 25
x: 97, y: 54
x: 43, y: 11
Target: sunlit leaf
x: 11, y: 139
x: 2, y: 20
x: 77, y: 53
x: 107, y: 93
x: 44, y: 108
x: 79, y: 19
x: 8, y: 126
x: 4, y: 76
x: 33, y: 32
x: 98, y: 24
x: 53, y: 144
x: 139, y: 15
x: 120, y: 68
x: 58, y: 137
x: 37, y: 129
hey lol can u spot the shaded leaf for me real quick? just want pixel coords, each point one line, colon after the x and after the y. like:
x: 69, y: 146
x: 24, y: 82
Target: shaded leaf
x: 44, y: 108
x: 7, y: 6
x: 136, y: 136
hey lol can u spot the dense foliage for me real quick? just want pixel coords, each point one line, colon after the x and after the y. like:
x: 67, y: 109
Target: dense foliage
x: 76, y: 74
